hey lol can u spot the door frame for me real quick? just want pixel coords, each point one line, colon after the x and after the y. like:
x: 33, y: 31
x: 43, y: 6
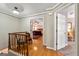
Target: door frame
x: 57, y: 31
x: 31, y: 26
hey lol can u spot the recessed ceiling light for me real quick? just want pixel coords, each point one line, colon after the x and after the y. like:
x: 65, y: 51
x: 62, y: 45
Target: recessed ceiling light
x: 15, y: 12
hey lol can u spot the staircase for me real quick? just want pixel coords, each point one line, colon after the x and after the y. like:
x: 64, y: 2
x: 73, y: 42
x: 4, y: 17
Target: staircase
x: 18, y: 43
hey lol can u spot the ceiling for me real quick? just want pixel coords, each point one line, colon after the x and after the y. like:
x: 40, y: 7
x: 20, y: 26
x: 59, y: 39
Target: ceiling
x: 68, y: 11
x: 29, y: 8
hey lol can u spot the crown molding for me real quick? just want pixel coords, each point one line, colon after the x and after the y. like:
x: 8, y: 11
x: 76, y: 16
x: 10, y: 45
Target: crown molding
x: 55, y: 8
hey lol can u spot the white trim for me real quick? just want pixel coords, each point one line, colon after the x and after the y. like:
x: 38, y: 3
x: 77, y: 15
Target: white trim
x: 53, y: 7
x: 51, y: 48
x: 55, y: 31
x: 15, y: 53
x: 76, y: 18
x: 63, y: 6
x: 43, y: 31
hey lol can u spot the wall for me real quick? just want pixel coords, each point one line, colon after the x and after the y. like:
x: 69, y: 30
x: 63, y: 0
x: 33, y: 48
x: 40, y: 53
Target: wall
x: 7, y: 24
x: 25, y: 24
x: 49, y: 23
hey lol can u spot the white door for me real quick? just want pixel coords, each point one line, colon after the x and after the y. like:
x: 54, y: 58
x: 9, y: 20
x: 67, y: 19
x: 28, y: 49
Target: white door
x: 61, y: 31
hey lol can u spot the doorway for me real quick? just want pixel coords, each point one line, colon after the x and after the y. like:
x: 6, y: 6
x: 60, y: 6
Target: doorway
x: 66, y: 42
x: 36, y: 29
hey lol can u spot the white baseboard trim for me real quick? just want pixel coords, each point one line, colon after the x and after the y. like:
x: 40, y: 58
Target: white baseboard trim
x: 51, y: 48
x: 15, y: 53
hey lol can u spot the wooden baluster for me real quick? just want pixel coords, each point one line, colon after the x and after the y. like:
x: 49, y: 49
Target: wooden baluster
x: 16, y: 41
x: 9, y: 47
x: 19, y: 45
x: 12, y: 42
x: 27, y: 46
x: 23, y: 44
x: 25, y: 53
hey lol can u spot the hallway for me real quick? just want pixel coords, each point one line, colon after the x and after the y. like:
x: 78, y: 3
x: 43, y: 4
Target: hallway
x: 20, y: 21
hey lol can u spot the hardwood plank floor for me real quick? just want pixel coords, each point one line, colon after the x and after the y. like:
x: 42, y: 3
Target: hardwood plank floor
x: 37, y: 49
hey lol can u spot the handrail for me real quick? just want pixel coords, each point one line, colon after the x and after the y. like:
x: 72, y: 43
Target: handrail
x: 18, y: 34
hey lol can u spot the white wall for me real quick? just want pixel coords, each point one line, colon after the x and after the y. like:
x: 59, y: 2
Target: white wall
x: 7, y: 24
x: 25, y: 24
x: 49, y: 23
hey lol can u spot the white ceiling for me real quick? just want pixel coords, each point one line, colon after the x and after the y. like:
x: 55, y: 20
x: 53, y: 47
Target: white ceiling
x: 68, y: 11
x: 29, y: 8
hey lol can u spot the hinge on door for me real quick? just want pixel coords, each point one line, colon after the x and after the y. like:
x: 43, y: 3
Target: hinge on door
x: 56, y: 43
x: 56, y: 30
x: 56, y: 17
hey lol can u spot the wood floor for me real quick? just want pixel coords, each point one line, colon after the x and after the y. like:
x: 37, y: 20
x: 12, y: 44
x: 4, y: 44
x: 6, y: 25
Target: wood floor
x: 37, y: 49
